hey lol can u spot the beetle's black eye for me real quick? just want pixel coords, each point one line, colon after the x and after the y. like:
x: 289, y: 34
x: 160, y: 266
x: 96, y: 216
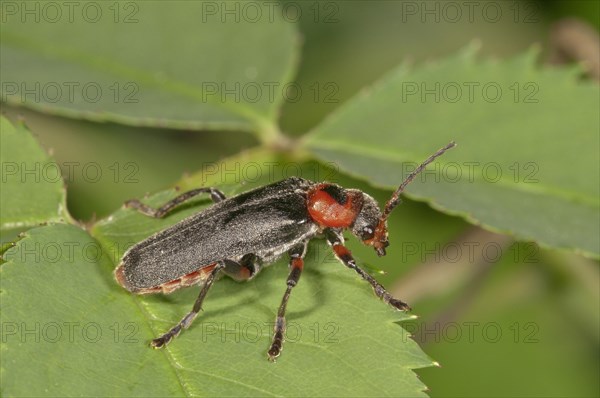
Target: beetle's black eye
x: 367, y: 233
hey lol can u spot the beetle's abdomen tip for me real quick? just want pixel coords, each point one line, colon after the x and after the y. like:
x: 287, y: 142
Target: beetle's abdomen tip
x: 121, y: 280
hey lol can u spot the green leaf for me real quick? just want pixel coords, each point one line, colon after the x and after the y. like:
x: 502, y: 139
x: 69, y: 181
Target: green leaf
x: 66, y: 330
x: 32, y: 190
x: 105, y: 164
x: 178, y: 67
x: 341, y: 340
x: 526, y: 162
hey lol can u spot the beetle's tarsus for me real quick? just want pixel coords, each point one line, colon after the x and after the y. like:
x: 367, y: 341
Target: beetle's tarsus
x: 160, y: 342
x: 273, y: 353
x: 140, y: 207
x: 166, y: 338
x: 277, y: 343
x: 336, y: 241
x: 157, y: 344
x: 399, y: 304
x: 131, y: 203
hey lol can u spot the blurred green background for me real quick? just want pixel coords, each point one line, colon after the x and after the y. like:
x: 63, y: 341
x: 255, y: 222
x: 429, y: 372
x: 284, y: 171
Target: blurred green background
x: 524, y: 324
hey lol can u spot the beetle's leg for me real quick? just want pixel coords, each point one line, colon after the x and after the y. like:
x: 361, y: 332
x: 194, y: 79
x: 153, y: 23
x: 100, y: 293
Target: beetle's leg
x: 336, y: 241
x: 215, y: 195
x: 296, y: 264
x: 187, y: 320
x: 246, y: 269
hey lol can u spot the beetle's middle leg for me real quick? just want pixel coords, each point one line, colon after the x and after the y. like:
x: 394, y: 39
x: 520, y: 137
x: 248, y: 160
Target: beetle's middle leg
x: 297, y: 254
x: 215, y: 195
x: 187, y: 320
x: 336, y: 241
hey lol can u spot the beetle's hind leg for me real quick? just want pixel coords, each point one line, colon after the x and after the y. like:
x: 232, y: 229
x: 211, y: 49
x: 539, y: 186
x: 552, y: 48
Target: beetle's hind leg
x: 336, y: 241
x: 297, y: 254
x: 215, y: 195
x: 248, y: 266
x: 187, y: 320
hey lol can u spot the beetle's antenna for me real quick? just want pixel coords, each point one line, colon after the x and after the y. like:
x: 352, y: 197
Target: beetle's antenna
x: 395, y: 199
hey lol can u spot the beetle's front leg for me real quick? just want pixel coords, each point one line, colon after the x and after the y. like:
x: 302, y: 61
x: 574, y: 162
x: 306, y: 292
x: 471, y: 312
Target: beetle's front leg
x: 297, y: 254
x: 162, y: 211
x: 336, y: 241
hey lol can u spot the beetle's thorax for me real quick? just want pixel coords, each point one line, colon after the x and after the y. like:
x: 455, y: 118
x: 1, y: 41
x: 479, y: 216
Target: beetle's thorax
x: 332, y: 206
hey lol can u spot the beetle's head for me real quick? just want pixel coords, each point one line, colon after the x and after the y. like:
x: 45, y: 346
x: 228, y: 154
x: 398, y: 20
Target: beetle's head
x: 369, y: 226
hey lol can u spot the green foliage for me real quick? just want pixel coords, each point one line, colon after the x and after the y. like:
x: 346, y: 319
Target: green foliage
x: 57, y: 278
x: 334, y: 323
x: 86, y: 338
x: 526, y: 164
x: 145, y: 85
x: 43, y: 198
x: 111, y: 328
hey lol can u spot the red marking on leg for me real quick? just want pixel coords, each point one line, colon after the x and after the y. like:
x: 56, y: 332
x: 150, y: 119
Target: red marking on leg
x: 298, y: 263
x: 341, y: 251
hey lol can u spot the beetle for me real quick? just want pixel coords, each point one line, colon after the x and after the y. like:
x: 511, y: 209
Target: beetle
x: 237, y: 236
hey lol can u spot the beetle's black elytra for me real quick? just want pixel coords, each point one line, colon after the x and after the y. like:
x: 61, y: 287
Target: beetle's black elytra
x: 238, y: 235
